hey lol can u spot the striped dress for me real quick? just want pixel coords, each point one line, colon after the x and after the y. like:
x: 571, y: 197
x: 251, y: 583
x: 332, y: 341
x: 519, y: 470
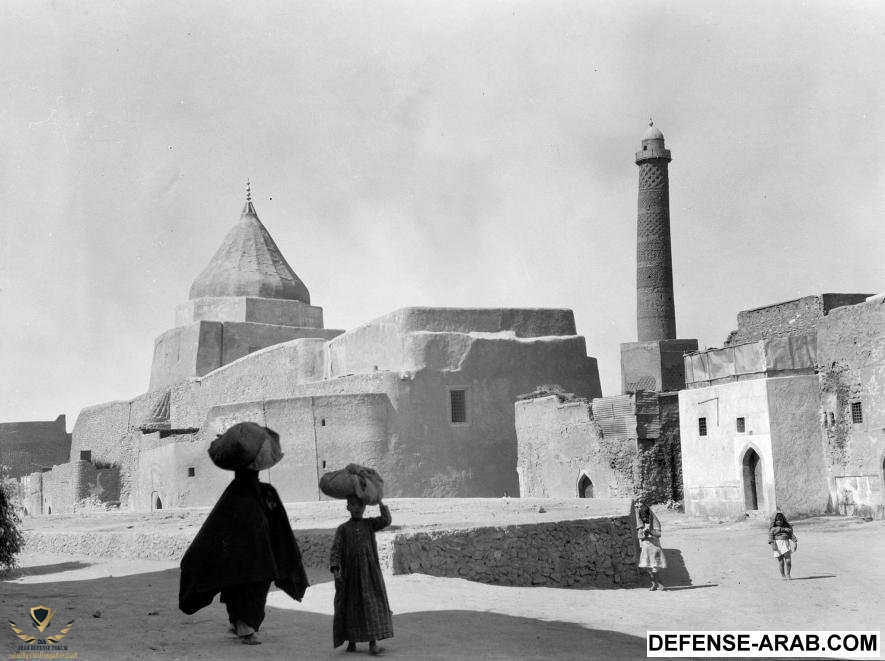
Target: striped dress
x: 362, y: 612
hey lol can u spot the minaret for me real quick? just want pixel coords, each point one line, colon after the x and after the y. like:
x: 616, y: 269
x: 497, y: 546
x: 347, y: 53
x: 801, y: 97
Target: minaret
x: 655, y: 361
x: 655, y: 312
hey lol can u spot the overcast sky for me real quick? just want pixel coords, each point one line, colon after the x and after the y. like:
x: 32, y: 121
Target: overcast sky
x: 441, y: 153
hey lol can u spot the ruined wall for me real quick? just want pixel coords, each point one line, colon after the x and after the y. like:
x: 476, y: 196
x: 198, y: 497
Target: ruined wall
x: 851, y: 356
x: 26, y: 447
x: 627, y: 446
x: 799, y: 315
x: 585, y: 553
x: 659, y: 461
x: 558, y: 442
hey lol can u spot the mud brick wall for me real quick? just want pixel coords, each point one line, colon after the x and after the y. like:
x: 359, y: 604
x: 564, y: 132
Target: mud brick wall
x: 592, y: 552
x: 800, y: 315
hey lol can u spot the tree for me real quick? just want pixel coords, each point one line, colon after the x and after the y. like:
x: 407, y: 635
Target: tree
x: 11, y: 538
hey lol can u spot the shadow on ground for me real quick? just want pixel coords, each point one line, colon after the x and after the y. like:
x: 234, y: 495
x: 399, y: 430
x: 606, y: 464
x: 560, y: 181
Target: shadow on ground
x: 137, y: 617
x: 676, y: 574
x: 41, y: 570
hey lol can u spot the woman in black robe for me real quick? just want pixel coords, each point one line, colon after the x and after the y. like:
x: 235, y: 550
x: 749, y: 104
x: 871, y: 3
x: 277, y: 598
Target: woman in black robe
x: 246, y: 542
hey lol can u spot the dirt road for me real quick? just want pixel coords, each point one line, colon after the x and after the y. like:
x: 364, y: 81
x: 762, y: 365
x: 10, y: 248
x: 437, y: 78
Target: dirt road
x: 720, y: 576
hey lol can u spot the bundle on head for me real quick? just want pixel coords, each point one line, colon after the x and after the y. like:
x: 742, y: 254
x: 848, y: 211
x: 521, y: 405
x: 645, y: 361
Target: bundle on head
x: 246, y: 445
x: 354, y: 480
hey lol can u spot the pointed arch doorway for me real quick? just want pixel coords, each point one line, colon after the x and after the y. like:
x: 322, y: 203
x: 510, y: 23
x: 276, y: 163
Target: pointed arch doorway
x: 585, y: 487
x: 752, y: 479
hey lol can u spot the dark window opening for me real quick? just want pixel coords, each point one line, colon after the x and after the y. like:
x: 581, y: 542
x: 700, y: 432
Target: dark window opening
x: 324, y: 463
x: 856, y: 412
x: 158, y: 504
x: 458, y: 401
x: 322, y: 422
x: 191, y: 471
x: 585, y: 487
x: 741, y: 425
x: 702, y: 426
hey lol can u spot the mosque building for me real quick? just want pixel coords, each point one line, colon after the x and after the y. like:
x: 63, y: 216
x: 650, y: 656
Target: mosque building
x: 424, y: 395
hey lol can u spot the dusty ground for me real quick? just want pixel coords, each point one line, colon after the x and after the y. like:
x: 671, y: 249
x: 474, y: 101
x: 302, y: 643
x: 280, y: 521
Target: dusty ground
x: 720, y: 576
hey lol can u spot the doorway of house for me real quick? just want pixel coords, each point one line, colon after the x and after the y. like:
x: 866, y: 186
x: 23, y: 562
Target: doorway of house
x: 585, y: 487
x: 752, y: 473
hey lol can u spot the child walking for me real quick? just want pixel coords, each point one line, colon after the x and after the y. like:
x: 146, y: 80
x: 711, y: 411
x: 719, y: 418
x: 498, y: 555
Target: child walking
x: 362, y: 613
x: 780, y: 535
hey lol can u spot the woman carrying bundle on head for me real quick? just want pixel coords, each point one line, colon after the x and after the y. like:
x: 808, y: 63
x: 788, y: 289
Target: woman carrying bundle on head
x: 246, y: 542
x: 362, y: 612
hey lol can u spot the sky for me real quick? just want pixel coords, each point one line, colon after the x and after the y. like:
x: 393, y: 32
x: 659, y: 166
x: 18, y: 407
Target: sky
x: 436, y: 153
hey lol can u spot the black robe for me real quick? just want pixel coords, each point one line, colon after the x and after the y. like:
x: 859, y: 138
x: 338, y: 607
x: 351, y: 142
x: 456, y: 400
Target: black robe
x: 245, y: 539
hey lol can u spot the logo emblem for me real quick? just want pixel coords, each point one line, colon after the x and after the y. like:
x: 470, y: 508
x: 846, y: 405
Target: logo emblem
x: 41, y: 617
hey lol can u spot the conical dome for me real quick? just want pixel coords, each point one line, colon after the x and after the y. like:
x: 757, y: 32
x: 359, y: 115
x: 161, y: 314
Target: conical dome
x: 248, y: 263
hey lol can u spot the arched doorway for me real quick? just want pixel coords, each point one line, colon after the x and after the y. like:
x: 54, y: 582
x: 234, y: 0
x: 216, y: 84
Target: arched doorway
x: 158, y: 504
x: 585, y: 487
x: 752, y: 475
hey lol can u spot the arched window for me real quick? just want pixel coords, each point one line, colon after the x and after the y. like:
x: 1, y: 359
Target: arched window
x: 158, y: 504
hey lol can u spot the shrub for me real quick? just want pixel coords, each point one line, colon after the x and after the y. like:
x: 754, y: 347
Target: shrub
x: 11, y: 538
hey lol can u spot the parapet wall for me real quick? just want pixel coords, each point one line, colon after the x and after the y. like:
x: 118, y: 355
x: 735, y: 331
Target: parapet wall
x: 799, y: 315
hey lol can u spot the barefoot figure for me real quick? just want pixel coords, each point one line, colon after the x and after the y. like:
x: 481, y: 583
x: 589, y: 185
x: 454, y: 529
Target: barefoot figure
x: 362, y: 613
x: 651, y: 555
x: 783, y: 543
x: 246, y: 542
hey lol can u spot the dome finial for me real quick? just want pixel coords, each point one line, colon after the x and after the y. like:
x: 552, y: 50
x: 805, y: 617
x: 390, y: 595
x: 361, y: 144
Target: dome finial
x: 651, y: 122
x: 248, y: 190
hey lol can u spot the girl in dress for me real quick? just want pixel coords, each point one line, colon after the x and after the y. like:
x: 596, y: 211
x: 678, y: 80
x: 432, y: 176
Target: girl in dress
x: 651, y: 555
x: 783, y: 543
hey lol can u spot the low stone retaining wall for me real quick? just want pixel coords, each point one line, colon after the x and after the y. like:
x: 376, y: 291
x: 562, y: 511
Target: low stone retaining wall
x: 598, y: 552
x: 586, y: 553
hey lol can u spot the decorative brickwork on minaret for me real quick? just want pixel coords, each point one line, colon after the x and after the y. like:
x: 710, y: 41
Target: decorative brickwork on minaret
x: 655, y: 312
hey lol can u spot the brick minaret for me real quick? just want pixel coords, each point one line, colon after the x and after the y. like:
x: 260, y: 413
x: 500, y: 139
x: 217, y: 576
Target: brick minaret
x: 655, y: 312
x: 655, y: 361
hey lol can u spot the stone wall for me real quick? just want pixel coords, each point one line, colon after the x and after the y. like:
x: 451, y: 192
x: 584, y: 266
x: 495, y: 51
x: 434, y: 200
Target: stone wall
x: 586, y: 553
x: 851, y: 363
x: 801, y: 314
x: 597, y: 552
x: 26, y: 447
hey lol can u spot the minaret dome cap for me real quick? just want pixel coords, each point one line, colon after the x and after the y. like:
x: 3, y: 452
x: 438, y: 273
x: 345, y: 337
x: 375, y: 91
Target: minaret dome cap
x: 653, y: 132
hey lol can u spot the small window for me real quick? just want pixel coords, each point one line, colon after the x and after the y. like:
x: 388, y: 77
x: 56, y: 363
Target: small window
x: 322, y: 422
x: 831, y: 419
x: 458, y: 406
x: 741, y: 425
x: 856, y: 412
x: 191, y: 471
x: 702, y: 426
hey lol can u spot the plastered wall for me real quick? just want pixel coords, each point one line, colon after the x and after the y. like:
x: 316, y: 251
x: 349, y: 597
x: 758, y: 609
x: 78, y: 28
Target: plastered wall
x: 712, y: 464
